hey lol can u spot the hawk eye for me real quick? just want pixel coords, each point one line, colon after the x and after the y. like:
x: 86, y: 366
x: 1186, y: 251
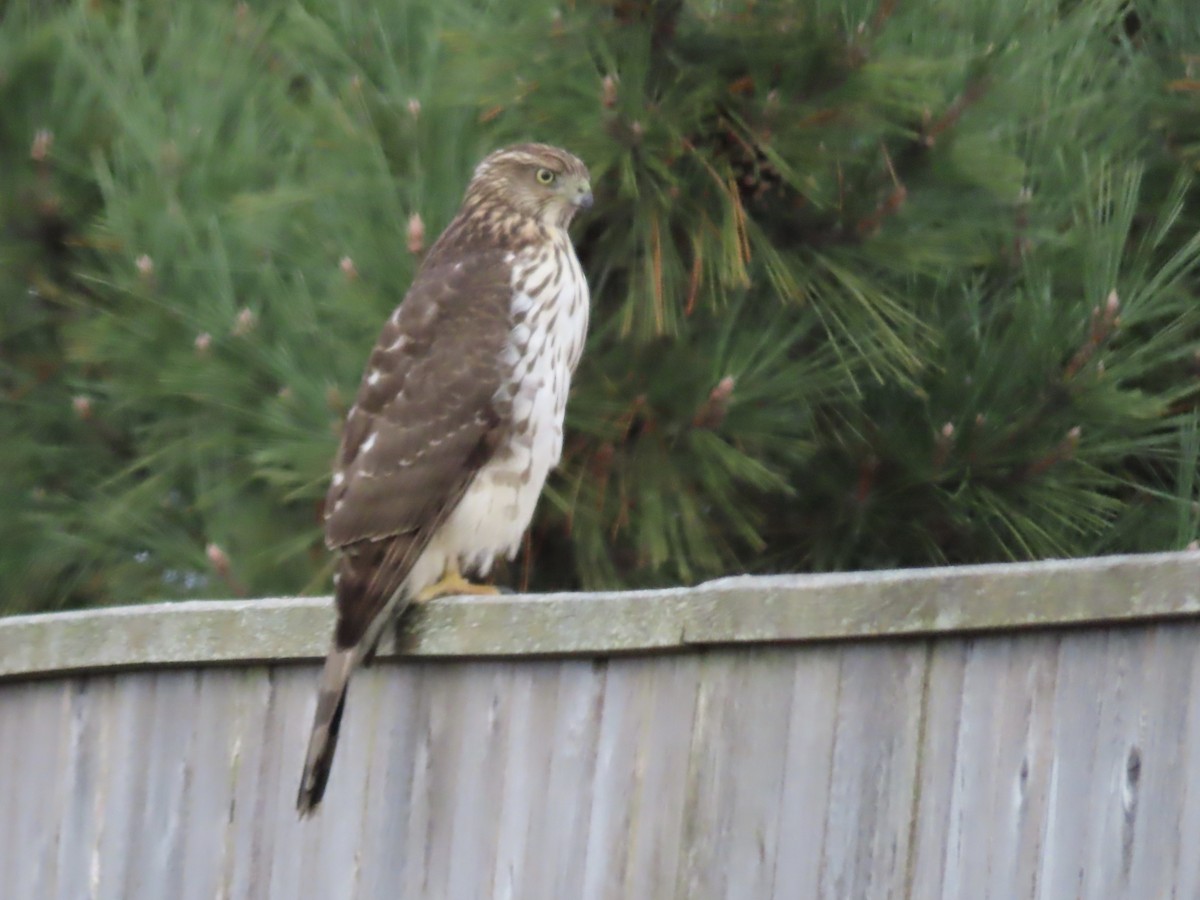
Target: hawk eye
x: 545, y: 176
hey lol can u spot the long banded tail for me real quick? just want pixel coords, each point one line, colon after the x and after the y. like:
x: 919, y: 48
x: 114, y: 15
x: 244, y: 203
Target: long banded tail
x: 331, y: 701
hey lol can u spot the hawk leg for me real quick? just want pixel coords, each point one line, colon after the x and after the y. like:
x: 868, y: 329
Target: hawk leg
x: 451, y: 584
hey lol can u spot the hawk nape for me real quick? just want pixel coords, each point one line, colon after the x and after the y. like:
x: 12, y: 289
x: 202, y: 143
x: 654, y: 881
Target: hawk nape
x: 459, y: 416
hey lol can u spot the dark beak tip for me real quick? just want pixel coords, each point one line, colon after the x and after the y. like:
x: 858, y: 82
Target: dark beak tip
x: 585, y: 201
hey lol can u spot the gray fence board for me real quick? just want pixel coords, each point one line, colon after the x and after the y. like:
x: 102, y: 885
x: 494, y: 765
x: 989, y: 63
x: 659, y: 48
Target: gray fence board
x: 751, y: 771
x: 806, y: 783
x: 1162, y: 727
x: 1025, y: 764
x: 1074, y: 780
x: 940, y: 736
x: 668, y: 708
x: 872, y: 782
x: 36, y: 717
x: 1022, y: 781
x: 1186, y: 881
x: 617, y: 744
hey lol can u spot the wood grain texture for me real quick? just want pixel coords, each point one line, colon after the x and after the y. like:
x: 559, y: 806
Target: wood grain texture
x: 1037, y: 765
x: 730, y: 611
x: 1185, y: 873
x: 1022, y: 764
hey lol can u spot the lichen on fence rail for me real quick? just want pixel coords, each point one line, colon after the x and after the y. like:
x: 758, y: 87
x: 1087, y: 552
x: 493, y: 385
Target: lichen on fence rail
x: 737, y: 610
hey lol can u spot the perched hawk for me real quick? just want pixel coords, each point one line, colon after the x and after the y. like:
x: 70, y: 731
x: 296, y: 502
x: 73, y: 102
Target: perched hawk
x: 459, y: 416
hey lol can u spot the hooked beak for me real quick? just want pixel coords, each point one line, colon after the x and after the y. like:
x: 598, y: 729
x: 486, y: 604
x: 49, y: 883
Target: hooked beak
x: 583, y: 196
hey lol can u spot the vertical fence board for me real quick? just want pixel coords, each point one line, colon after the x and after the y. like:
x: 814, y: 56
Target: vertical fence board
x: 1186, y: 790
x: 705, y: 821
x: 965, y: 862
x: 668, y: 708
x: 125, y: 750
x: 159, y: 826
x: 1111, y: 805
x: 1163, y: 769
x: 735, y: 777
x: 255, y: 714
x: 17, y: 708
x: 1020, y: 778
x: 526, y: 764
x: 1083, y: 667
x: 557, y: 845
x: 35, y: 719
x: 294, y: 847
x: 1000, y: 766
x: 388, y: 799
x: 87, y: 700
x: 476, y: 793
x: 1042, y: 764
x: 614, y: 783
x: 940, y: 727
x: 208, y: 786
x: 808, y: 769
x: 328, y: 866
x: 874, y: 771
x: 755, y: 752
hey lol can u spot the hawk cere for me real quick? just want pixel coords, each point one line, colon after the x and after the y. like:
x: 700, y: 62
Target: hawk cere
x: 459, y: 416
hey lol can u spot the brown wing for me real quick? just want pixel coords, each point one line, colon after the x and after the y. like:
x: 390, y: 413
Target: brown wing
x: 425, y: 421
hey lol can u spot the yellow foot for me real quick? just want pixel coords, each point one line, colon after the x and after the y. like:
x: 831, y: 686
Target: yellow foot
x: 453, y: 584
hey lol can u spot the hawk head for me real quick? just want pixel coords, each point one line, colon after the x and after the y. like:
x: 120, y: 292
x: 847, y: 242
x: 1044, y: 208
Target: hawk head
x: 535, y: 180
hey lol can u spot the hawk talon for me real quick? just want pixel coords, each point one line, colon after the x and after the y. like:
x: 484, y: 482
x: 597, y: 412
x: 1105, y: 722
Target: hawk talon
x: 452, y: 584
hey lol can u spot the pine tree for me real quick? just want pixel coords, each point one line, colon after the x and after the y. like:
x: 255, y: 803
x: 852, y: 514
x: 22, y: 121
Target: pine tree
x: 874, y: 284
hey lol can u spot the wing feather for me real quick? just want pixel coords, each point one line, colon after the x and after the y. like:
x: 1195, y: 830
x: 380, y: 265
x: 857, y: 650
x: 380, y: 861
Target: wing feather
x: 430, y: 406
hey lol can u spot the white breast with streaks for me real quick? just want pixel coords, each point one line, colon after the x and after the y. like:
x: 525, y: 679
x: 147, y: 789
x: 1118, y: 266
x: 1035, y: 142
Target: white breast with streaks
x: 550, y: 318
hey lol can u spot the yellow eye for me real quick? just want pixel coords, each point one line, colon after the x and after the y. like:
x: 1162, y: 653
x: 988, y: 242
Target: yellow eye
x: 545, y: 176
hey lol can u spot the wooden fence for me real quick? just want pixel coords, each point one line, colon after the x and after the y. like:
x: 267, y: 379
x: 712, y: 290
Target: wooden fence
x: 997, y: 731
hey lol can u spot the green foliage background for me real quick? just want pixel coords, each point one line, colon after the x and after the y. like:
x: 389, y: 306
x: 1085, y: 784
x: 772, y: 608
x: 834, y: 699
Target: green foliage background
x: 875, y: 284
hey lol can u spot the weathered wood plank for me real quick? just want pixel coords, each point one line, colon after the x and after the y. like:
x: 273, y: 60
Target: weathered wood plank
x: 208, y: 784
x: 808, y: 773
x: 1115, y: 789
x: 1040, y: 764
x: 940, y: 726
x: 868, y: 820
x: 976, y: 763
x: 705, y: 819
x: 557, y: 847
x: 667, y: 704
x: 1161, y: 744
x: 157, y: 828
x: 755, y: 770
x: 987, y: 780
x: 34, y: 718
x: 329, y: 846
x: 475, y: 747
x: 526, y: 759
x: 1085, y: 667
x: 387, y: 797
x: 1186, y: 790
x: 124, y: 749
x: 780, y: 608
x: 284, y: 747
x: 255, y: 713
x: 1019, y: 778
x: 15, y: 707
x: 86, y: 701
x: 614, y: 784
x: 736, y: 775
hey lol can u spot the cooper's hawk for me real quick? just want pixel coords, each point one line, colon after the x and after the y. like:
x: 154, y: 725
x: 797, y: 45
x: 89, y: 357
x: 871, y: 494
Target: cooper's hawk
x: 459, y: 416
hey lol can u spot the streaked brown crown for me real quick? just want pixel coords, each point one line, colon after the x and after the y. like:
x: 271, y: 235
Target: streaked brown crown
x: 510, y: 178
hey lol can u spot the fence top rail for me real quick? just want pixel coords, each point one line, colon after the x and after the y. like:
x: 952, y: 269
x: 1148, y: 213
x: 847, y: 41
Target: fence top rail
x: 728, y: 611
